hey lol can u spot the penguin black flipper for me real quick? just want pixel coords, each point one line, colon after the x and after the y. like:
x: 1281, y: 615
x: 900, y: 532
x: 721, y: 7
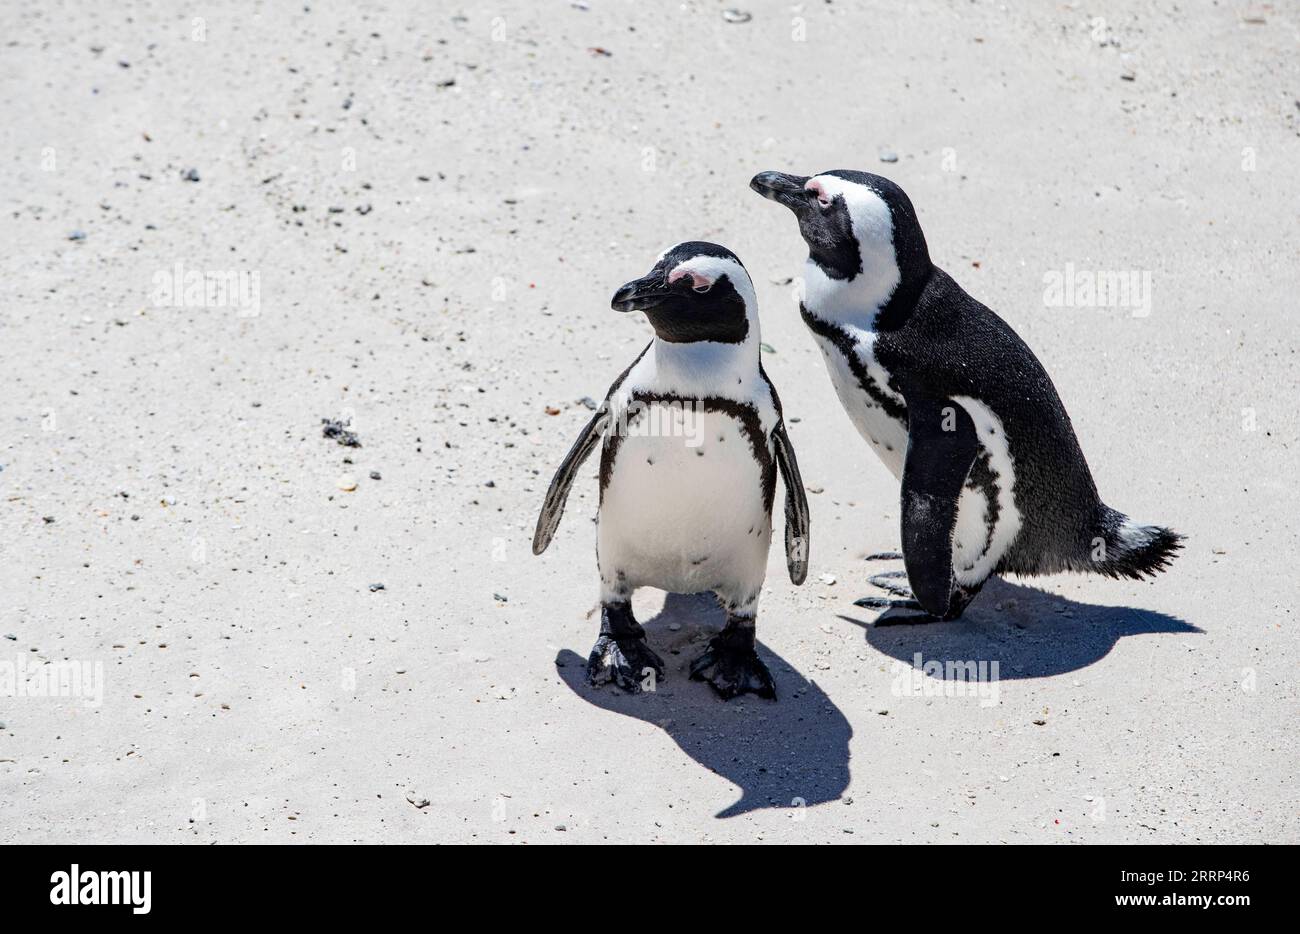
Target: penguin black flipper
x: 941, y: 447
x: 553, y: 506
x: 796, y: 506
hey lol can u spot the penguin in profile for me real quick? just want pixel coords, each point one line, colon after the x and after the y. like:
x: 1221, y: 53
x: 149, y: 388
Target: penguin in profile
x: 954, y: 403
x: 691, y: 438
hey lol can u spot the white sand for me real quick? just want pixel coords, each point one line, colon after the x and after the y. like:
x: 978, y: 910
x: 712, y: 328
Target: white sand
x: 255, y: 689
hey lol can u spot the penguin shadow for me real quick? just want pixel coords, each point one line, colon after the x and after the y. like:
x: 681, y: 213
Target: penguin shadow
x: 791, y: 752
x: 1030, y: 632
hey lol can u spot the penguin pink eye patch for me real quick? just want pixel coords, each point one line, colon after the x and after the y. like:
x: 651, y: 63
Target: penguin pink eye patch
x: 699, y: 281
x: 815, y: 187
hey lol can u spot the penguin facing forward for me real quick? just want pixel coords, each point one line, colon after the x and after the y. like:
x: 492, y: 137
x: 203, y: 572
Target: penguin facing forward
x: 953, y: 401
x: 691, y: 438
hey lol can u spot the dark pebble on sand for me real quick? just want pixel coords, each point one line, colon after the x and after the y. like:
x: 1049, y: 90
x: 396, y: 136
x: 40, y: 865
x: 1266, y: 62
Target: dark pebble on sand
x: 337, y: 430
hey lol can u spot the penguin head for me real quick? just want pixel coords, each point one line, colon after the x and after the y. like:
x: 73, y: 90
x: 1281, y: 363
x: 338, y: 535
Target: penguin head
x: 854, y: 223
x: 696, y: 291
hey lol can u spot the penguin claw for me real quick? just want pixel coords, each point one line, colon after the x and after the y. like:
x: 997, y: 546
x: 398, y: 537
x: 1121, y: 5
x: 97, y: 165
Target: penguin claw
x: 733, y: 671
x: 885, y: 581
x: 627, y: 662
x: 888, y: 603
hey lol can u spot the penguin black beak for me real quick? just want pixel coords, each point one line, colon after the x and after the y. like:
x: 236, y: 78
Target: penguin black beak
x: 781, y: 188
x: 640, y: 294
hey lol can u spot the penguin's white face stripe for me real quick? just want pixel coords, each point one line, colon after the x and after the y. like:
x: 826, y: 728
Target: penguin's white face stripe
x: 706, y: 270
x: 873, y: 224
x: 873, y: 228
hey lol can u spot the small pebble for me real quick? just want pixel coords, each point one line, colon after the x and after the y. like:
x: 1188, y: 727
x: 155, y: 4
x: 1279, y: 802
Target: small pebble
x: 338, y: 431
x: 374, y: 587
x: 77, y: 235
x: 374, y: 475
x: 888, y: 155
x: 347, y: 483
x: 736, y: 16
x: 190, y: 175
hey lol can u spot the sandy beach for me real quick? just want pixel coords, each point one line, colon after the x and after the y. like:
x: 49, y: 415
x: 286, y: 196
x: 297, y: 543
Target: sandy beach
x: 224, y: 225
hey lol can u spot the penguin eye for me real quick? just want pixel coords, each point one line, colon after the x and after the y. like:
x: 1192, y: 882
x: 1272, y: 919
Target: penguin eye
x: 701, y: 289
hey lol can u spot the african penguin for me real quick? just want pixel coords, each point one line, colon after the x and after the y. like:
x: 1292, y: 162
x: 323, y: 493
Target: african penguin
x: 691, y: 439
x: 954, y: 403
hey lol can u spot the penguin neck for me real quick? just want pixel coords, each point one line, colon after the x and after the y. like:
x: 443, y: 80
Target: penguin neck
x: 706, y: 368
x: 879, y: 298
x: 852, y: 302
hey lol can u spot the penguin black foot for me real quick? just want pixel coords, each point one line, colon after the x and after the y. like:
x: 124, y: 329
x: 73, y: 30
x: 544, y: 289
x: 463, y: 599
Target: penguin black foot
x: 621, y: 654
x: 901, y: 596
x: 888, y: 603
x: 959, y: 598
x: 731, y: 665
x: 885, y: 580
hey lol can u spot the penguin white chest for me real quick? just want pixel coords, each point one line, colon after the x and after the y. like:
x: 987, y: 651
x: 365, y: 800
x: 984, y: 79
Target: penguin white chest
x: 684, y: 509
x: 886, y: 434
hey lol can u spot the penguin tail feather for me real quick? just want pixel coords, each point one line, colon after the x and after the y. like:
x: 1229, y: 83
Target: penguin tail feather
x: 1133, y: 550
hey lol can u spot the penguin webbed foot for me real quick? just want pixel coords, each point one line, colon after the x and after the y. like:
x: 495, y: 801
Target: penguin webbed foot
x: 888, y: 603
x: 901, y: 596
x: 904, y: 599
x: 732, y: 667
x: 885, y: 580
x: 902, y: 619
x: 621, y: 654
